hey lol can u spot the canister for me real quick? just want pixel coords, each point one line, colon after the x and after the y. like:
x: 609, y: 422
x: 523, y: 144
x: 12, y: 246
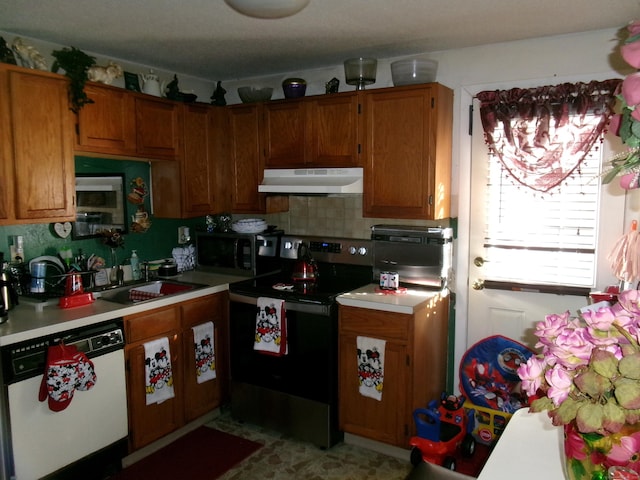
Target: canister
x: 38, y: 273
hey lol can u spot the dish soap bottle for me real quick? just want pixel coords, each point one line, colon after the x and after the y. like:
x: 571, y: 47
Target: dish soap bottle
x: 135, y: 265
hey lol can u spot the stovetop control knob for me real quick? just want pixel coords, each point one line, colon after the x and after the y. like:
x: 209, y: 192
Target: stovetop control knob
x: 352, y: 250
x: 362, y: 251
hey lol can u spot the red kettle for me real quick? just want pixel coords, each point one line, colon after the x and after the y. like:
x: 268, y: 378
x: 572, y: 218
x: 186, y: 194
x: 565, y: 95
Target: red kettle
x: 305, y: 269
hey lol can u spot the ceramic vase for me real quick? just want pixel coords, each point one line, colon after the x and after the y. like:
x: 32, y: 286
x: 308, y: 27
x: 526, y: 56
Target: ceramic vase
x: 591, y: 456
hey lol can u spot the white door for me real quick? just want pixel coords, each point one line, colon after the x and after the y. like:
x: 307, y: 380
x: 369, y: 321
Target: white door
x: 515, y: 313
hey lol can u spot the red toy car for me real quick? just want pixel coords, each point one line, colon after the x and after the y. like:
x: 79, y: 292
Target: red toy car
x: 442, y: 429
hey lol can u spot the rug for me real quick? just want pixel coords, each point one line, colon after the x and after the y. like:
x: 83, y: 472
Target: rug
x: 202, y: 454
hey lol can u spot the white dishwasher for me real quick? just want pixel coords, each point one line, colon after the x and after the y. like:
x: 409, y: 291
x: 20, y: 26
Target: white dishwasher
x: 43, y: 441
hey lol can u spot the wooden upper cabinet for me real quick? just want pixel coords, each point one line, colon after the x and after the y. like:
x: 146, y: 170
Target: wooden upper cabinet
x: 36, y: 131
x: 204, y: 175
x: 317, y: 131
x: 407, y: 137
x: 108, y: 125
x: 333, y: 138
x: 197, y: 176
x: 247, y: 161
x: 158, y: 127
x: 284, y: 130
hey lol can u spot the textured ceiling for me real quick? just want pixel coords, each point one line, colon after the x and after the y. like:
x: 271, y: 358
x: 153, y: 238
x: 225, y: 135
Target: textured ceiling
x: 207, y: 39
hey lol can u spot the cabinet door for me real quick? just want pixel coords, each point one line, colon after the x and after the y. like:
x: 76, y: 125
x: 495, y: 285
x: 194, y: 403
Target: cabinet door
x: 148, y: 423
x: 40, y: 155
x: 385, y: 420
x: 284, y: 133
x: 333, y: 138
x: 158, y: 128
x: 403, y: 131
x: 198, y: 178
x: 246, y: 159
x: 201, y: 398
x: 108, y: 124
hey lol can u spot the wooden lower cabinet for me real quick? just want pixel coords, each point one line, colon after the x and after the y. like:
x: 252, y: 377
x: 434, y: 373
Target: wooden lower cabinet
x: 200, y: 398
x: 415, y: 369
x: 148, y: 423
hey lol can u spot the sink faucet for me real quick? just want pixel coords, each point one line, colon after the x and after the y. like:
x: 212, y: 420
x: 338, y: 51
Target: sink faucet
x: 145, y: 271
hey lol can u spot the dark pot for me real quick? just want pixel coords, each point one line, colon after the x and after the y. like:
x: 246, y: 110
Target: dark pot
x: 168, y: 269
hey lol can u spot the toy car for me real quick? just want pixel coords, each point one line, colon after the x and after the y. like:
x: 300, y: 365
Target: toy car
x: 443, y: 428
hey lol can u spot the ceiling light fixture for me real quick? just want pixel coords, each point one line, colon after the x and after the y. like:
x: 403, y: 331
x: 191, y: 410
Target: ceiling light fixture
x: 267, y: 8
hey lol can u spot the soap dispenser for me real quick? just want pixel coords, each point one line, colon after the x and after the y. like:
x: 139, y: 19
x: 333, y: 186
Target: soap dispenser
x: 135, y: 265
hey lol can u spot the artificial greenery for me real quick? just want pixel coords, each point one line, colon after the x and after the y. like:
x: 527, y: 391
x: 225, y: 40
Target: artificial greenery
x: 75, y: 64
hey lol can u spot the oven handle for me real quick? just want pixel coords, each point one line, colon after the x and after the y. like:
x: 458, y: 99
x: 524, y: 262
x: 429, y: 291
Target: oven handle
x: 302, y: 307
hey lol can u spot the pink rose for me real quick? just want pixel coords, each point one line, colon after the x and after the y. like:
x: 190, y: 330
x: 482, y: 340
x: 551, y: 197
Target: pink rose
x: 631, y: 90
x: 572, y: 347
x: 630, y: 181
x: 631, y: 53
x: 629, y: 300
x: 601, y: 320
x: 531, y: 374
x: 552, y: 326
x: 634, y: 27
x: 560, y: 382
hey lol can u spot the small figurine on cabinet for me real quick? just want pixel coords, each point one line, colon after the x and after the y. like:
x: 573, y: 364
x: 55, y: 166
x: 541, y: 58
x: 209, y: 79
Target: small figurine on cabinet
x: 218, y: 95
x: 332, y: 85
x: 6, y: 54
x: 27, y: 54
x: 172, y: 91
x: 106, y: 75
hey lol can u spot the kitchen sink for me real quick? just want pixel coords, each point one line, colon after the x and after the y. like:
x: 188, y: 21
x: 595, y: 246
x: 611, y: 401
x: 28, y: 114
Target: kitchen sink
x: 148, y: 291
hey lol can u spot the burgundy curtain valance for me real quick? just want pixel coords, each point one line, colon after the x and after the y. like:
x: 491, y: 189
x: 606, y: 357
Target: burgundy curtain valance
x: 541, y: 135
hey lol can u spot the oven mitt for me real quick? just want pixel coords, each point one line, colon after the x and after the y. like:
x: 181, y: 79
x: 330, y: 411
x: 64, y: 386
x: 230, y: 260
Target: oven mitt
x: 86, y: 373
x: 60, y: 376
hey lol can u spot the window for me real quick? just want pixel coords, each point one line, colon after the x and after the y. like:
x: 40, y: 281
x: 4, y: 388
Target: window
x: 543, y: 238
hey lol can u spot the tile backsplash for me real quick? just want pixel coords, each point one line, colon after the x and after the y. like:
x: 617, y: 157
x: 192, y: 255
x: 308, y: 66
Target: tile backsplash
x: 335, y: 216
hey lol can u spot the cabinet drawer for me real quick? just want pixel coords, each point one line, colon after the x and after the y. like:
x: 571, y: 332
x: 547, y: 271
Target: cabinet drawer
x: 374, y: 323
x: 150, y: 324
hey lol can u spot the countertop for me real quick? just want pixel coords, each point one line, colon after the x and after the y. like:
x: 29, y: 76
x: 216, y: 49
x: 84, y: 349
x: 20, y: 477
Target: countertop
x: 26, y: 322
x: 371, y: 297
x: 529, y: 448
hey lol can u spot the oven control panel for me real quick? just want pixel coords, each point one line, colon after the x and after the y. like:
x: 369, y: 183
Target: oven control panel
x: 349, y: 251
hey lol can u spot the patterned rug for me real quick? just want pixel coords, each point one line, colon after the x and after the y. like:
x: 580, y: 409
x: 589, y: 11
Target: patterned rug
x: 202, y: 454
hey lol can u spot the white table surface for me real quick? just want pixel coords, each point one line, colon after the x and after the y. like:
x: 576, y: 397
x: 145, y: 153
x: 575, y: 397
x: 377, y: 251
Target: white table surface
x: 529, y: 448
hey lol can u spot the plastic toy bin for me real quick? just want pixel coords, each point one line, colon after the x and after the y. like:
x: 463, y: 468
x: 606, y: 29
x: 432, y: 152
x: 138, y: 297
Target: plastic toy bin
x: 490, y: 383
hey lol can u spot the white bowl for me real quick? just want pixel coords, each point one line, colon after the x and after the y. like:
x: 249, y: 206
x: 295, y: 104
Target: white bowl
x: 411, y: 72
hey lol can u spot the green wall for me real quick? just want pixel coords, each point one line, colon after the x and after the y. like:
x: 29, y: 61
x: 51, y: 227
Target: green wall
x: 155, y: 243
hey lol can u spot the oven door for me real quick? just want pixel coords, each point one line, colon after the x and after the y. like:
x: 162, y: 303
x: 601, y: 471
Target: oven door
x: 309, y: 368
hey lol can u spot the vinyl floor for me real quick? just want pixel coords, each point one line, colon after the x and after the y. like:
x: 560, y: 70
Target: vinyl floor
x: 284, y: 458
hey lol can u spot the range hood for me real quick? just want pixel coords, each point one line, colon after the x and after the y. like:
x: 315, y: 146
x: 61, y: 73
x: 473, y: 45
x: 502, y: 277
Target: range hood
x: 312, y: 180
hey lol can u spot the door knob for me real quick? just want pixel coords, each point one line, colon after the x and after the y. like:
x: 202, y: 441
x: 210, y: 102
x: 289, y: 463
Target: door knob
x: 478, y: 284
x: 479, y: 261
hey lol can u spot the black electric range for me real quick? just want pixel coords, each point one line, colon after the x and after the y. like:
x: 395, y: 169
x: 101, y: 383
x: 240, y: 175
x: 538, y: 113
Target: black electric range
x: 304, y: 380
x: 343, y: 265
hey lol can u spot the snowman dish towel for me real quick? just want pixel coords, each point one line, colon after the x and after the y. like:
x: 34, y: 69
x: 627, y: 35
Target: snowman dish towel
x: 370, y: 366
x: 157, y: 370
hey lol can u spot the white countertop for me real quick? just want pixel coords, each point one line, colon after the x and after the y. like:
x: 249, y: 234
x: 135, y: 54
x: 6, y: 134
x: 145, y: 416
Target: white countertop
x: 26, y: 322
x: 530, y: 448
x: 371, y: 297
